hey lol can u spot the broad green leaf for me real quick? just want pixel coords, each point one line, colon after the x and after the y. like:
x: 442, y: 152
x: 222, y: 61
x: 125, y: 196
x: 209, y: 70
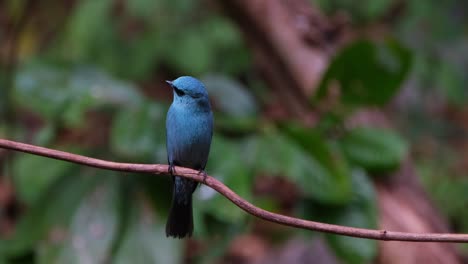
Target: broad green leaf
x: 278, y: 155
x: 51, y: 213
x: 89, y: 237
x: 145, y: 240
x: 230, y: 96
x: 33, y: 175
x: 373, y: 148
x: 140, y: 132
x: 367, y: 73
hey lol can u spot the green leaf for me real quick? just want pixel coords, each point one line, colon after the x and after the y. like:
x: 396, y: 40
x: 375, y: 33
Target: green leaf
x: 140, y: 132
x: 50, y: 214
x: 373, y: 148
x: 145, y: 239
x: 89, y: 237
x: 228, y: 166
x: 278, y: 155
x: 33, y: 175
x: 367, y: 73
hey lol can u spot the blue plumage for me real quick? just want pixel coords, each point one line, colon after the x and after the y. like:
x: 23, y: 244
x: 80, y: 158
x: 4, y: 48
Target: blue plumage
x: 189, y: 128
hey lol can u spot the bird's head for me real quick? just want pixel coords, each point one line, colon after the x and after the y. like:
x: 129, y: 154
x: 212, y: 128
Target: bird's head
x: 187, y: 87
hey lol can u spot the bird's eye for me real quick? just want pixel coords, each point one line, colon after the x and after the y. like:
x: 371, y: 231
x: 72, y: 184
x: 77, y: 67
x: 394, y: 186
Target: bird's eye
x: 179, y: 92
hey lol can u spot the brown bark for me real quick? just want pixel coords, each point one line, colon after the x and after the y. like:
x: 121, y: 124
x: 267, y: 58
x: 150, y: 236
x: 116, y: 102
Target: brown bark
x: 292, y: 44
x: 404, y: 206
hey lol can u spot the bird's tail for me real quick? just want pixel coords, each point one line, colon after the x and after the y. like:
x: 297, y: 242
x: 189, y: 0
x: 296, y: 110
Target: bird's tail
x: 180, y: 221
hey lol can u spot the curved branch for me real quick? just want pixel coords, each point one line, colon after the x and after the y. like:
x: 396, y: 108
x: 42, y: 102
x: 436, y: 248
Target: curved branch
x: 236, y: 199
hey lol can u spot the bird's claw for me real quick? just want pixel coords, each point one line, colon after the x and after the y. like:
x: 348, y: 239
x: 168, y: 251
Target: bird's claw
x: 202, y: 172
x: 171, y: 169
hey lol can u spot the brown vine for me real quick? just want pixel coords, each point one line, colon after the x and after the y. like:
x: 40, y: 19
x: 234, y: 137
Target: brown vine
x: 236, y: 199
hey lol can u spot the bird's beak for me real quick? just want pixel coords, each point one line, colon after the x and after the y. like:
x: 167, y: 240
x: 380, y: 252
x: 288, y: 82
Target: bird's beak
x: 170, y: 83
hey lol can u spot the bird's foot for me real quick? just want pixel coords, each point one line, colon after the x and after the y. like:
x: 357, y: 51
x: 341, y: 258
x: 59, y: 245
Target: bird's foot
x: 171, y: 169
x: 202, y: 172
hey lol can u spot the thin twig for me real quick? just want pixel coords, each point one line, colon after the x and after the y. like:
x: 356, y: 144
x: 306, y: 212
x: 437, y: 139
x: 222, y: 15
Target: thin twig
x: 236, y: 199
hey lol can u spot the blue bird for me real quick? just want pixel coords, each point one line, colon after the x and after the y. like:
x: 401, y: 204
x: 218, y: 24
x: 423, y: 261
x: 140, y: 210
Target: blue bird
x: 189, y: 128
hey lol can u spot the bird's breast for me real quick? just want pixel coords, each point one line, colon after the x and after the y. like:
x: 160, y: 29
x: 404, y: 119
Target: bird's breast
x: 189, y: 136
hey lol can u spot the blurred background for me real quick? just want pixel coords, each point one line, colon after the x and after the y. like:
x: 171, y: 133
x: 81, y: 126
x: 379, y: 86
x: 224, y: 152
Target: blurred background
x: 324, y: 110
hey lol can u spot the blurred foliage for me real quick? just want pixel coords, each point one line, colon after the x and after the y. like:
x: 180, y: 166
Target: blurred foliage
x: 367, y: 11
x: 359, y: 212
x: 52, y: 211
x: 435, y: 31
x: 433, y: 112
x: 149, y: 33
x: 100, y: 63
x: 67, y: 94
x: 328, y: 160
x: 374, y: 149
x: 367, y: 73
